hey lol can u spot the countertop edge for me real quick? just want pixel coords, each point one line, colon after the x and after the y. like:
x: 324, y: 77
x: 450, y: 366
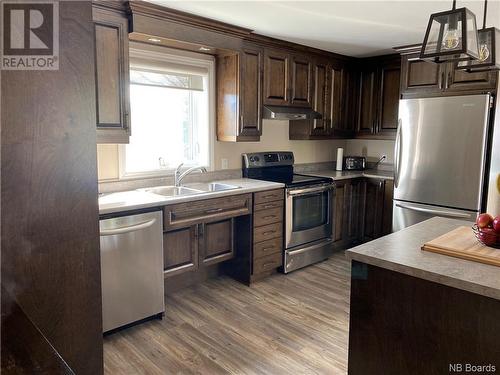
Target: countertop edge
x: 161, y: 202
x: 442, y: 279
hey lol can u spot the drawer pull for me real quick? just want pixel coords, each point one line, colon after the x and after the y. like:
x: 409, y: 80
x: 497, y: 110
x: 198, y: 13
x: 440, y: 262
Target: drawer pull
x: 212, y: 211
x: 269, y: 232
x: 269, y: 217
x: 268, y: 196
x: 267, y: 248
x: 266, y: 265
x: 268, y: 205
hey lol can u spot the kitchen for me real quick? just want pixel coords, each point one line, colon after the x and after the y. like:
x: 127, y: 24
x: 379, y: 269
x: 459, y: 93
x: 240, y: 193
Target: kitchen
x: 263, y: 226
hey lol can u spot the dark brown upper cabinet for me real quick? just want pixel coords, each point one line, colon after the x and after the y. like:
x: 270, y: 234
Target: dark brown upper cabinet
x: 301, y: 81
x: 378, y: 97
x: 287, y: 79
x: 321, y: 126
x: 239, y: 95
x: 276, y: 78
x: 332, y: 97
x: 425, y: 79
x: 112, y: 76
x: 368, y: 97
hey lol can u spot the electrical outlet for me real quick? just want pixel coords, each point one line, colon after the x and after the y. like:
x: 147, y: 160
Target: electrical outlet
x: 224, y: 163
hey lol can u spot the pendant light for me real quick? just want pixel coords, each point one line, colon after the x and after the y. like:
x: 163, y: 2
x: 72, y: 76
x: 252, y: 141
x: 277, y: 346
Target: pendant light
x: 489, y: 54
x: 451, y: 36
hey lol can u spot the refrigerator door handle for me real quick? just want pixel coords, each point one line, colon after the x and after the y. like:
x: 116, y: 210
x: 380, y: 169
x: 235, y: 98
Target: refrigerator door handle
x: 437, y: 212
x: 397, y: 153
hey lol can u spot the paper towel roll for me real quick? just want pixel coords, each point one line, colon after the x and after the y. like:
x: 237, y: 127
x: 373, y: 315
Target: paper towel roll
x: 340, y: 158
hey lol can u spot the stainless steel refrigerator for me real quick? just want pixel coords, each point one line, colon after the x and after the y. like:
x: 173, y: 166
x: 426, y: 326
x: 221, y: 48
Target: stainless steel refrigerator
x: 440, y: 158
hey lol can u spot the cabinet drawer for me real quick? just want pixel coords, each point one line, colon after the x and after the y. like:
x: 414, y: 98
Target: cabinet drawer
x: 270, y: 216
x: 268, y: 247
x: 269, y: 196
x: 267, y: 232
x: 186, y: 214
x: 267, y: 263
x: 268, y: 205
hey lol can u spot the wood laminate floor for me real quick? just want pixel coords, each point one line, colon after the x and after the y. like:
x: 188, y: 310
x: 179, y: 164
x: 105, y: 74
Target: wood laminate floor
x: 293, y: 324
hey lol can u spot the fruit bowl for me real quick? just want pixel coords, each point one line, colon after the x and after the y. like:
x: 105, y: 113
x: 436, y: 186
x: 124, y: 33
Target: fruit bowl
x: 487, y: 236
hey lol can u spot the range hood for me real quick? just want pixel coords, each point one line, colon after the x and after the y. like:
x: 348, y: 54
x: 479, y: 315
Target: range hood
x: 275, y: 112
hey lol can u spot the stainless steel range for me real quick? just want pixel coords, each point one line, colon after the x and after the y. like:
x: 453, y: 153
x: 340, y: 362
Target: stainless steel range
x: 308, y: 207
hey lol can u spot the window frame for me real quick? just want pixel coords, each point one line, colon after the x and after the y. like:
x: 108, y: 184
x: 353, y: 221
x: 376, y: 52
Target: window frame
x: 168, y: 55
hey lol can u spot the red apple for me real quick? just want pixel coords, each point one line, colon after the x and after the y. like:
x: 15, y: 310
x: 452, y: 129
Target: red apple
x: 484, y: 220
x: 496, y: 224
x: 488, y: 236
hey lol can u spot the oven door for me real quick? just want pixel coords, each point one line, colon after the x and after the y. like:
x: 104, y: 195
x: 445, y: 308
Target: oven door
x: 309, y: 213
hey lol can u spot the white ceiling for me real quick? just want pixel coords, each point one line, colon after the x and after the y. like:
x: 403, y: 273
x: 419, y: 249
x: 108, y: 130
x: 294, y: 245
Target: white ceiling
x: 354, y: 28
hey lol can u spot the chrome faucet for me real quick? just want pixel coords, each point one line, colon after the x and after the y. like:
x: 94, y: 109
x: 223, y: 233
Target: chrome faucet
x: 180, y: 176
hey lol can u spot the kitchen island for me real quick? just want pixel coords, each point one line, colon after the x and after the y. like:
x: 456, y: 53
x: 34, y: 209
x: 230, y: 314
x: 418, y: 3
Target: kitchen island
x: 415, y: 312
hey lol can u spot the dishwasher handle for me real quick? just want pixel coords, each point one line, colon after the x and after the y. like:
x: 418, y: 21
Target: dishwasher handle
x: 127, y: 229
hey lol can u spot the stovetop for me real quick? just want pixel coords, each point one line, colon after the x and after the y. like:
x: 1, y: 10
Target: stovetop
x: 277, y: 167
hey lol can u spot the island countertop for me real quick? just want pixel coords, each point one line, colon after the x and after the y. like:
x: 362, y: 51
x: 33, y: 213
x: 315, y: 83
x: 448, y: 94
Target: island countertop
x: 401, y: 252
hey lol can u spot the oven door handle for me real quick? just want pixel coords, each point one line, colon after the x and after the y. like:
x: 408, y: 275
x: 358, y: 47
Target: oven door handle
x: 298, y: 192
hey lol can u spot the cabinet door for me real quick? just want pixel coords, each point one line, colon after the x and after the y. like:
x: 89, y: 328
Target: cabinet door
x: 320, y: 97
x: 459, y: 80
x: 349, y: 98
x: 388, y: 99
x: 356, y: 188
x: 420, y: 77
x: 276, y: 78
x: 216, y: 241
x: 301, y: 82
x: 180, y: 251
x: 337, y: 82
x: 250, y: 123
x: 367, y: 102
x: 347, y: 211
x: 112, y: 76
x: 373, y: 209
x: 388, y: 207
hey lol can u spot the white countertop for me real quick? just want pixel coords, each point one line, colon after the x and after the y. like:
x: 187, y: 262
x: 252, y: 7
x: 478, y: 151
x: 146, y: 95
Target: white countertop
x: 136, y: 200
x: 401, y: 252
x: 345, y: 175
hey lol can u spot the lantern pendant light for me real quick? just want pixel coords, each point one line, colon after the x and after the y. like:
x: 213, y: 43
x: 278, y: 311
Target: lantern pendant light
x: 489, y: 54
x: 451, y: 36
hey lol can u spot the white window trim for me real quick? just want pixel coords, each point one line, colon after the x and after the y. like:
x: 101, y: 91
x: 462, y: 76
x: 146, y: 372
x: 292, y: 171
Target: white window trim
x: 169, y: 55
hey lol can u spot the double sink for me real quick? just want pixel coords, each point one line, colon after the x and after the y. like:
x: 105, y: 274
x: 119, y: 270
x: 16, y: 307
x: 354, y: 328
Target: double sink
x: 189, y: 189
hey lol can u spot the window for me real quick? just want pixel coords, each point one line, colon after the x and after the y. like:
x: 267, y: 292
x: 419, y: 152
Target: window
x: 170, y: 113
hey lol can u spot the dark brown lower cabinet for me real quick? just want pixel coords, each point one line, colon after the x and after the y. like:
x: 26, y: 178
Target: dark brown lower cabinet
x: 216, y: 241
x: 377, y: 208
x: 363, y: 210
x: 348, y: 199
x: 373, y: 209
x: 180, y: 250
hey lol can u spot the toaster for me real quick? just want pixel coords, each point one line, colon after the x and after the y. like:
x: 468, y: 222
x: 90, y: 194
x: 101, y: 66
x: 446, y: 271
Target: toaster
x: 354, y: 163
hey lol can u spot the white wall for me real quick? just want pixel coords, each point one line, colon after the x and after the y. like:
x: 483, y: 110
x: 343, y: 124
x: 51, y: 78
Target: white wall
x: 274, y: 138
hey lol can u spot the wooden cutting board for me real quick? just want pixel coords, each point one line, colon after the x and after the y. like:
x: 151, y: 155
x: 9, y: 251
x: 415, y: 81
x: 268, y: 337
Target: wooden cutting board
x: 461, y: 243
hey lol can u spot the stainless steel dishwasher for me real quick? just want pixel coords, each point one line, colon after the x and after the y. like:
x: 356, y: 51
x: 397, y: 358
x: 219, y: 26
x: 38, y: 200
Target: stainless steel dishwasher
x: 131, y: 268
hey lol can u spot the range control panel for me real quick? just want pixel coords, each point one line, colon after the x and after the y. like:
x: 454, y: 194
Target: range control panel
x: 267, y: 159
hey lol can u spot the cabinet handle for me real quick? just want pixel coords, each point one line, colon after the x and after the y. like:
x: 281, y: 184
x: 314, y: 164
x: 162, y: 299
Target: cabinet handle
x: 214, y: 210
x: 200, y: 230
x: 268, y: 206
x: 265, y: 249
x: 448, y: 80
x: 266, y: 265
x: 268, y: 232
x: 268, y: 196
x: 269, y: 216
